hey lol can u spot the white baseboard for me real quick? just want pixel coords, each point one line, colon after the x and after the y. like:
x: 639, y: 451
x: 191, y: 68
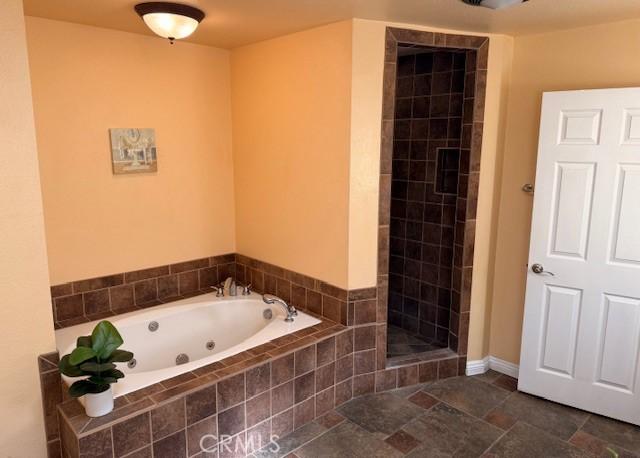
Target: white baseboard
x: 504, y: 367
x: 477, y: 367
x: 481, y: 366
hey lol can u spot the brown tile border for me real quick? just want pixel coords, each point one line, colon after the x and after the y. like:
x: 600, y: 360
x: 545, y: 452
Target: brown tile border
x: 473, y: 117
x: 97, y: 298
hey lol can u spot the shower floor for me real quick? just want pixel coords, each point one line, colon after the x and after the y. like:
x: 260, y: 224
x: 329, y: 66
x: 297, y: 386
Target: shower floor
x: 402, y: 344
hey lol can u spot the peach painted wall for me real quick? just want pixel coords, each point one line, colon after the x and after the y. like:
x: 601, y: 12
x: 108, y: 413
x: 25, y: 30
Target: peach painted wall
x: 368, y: 59
x: 86, y: 80
x: 291, y: 143
x: 602, y: 56
x: 25, y: 306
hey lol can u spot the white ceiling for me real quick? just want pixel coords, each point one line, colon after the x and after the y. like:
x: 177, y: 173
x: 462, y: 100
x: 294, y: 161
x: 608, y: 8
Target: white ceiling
x: 232, y: 23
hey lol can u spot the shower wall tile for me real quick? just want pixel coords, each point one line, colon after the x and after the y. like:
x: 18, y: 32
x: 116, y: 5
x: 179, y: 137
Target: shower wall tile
x: 423, y: 189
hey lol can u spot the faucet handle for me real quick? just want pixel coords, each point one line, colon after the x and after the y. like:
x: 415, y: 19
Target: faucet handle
x: 246, y: 289
x: 219, y: 291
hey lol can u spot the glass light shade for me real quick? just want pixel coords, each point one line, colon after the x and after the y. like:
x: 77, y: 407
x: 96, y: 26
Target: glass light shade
x: 170, y: 25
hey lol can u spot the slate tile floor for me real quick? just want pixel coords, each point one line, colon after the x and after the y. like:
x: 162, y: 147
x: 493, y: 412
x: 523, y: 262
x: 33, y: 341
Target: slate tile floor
x: 481, y: 416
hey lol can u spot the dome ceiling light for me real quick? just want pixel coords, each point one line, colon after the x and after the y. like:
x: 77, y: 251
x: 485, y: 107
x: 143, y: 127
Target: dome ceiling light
x: 170, y: 20
x: 494, y: 4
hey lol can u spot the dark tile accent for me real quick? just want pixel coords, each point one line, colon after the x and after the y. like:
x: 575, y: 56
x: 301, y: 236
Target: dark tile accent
x: 402, y: 441
x: 423, y: 400
x: 500, y: 419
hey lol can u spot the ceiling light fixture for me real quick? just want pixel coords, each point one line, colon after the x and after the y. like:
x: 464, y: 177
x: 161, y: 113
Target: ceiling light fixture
x: 494, y: 4
x: 170, y: 20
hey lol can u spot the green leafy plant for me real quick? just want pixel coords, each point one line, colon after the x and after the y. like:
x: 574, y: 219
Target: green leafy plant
x: 94, y: 359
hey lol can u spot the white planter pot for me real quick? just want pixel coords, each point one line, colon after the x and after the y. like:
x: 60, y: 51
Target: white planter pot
x: 97, y: 405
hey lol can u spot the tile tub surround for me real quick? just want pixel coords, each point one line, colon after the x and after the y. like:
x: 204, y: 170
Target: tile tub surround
x: 273, y: 388
x: 96, y: 298
x: 469, y: 166
x: 87, y: 300
x: 52, y: 394
x: 267, y: 390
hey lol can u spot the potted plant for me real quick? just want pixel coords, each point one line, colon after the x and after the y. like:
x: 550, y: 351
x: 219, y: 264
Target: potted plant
x: 94, y: 360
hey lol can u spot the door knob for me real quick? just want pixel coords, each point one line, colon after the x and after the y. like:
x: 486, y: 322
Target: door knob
x: 539, y: 269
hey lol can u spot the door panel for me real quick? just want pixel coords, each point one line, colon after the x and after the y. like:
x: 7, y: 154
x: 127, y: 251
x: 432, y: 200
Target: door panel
x: 626, y: 245
x: 572, y: 212
x: 618, y: 356
x: 581, y: 333
x: 560, y: 331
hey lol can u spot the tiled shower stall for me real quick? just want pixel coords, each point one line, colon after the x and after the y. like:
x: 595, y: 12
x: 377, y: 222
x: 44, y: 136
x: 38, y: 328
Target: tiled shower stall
x: 433, y: 115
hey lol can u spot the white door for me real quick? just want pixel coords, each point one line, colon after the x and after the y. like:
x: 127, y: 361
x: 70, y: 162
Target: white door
x: 581, y: 336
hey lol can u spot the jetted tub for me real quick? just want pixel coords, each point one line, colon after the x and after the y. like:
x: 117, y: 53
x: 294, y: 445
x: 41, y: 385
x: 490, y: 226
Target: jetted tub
x: 188, y: 327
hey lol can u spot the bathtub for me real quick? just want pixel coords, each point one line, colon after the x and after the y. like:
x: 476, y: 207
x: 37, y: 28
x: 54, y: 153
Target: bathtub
x: 205, y: 328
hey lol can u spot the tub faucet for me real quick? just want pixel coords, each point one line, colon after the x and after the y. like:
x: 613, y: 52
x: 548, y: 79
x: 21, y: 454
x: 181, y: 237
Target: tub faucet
x: 289, y: 309
x: 230, y: 287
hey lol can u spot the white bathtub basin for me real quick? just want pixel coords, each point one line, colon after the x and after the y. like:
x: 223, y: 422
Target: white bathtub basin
x: 235, y: 324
